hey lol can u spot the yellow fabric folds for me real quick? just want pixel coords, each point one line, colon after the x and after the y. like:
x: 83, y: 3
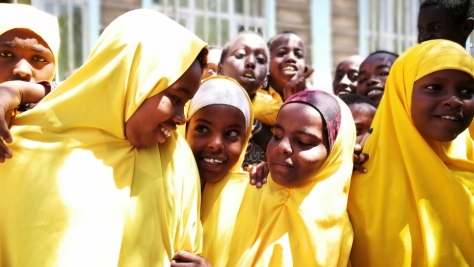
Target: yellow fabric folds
x: 265, y: 108
x: 415, y: 206
x: 14, y: 16
x: 279, y: 226
x: 273, y: 93
x: 76, y: 193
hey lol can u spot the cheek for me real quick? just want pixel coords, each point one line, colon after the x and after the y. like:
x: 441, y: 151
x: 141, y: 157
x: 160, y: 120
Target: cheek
x: 271, y: 148
x: 312, y: 160
x: 45, y: 73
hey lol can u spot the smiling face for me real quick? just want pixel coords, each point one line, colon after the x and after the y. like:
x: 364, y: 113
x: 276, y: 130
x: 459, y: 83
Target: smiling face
x: 345, y: 77
x: 216, y: 140
x: 363, y: 115
x: 25, y: 56
x: 298, y: 148
x: 157, y: 116
x: 434, y: 22
x: 287, y: 60
x: 373, y: 74
x: 443, y: 104
x: 246, y: 61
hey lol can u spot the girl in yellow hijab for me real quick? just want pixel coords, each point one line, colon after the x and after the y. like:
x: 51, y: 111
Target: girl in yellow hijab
x: 415, y: 205
x: 299, y: 218
x: 98, y: 176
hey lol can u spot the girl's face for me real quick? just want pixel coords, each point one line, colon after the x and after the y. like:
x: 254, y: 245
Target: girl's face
x: 299, y: 147
x: 287, y: 60
x: 216, y: 135
x: 25, y: 56
x: 373, y: 73
x: 345, y: 77
x: 442, y: 104
x: 246, y: 61
x: 157, y: 116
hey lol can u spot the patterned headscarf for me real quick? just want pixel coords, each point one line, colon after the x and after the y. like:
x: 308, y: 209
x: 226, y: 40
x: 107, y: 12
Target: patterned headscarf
x: 327, y: 106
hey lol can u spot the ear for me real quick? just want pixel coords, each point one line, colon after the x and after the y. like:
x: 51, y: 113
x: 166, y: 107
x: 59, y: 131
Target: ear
x: 468, y: 27
x: 219, y: 69
x: 265, y: 82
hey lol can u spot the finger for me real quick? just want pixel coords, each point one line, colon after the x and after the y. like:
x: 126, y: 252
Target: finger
x: 359, y: 168
x: 186, y: 256
x: 4, y: 131
x: 252, y: 174
x: 308, y: 73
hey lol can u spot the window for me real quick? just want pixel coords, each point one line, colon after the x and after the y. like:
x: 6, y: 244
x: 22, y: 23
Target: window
x: 72, y: 21
x: 391, y: 25
x: 216, y: 21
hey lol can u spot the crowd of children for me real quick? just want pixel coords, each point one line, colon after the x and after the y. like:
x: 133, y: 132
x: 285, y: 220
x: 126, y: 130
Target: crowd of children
x: 94, y: 172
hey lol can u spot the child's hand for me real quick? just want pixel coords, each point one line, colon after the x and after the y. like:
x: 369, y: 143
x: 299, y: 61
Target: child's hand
x: 258, y: 173
x: 296, y: 85
x: 183, y: 258
x: 359, y: 159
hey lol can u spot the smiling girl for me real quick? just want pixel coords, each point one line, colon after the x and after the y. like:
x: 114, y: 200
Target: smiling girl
x: 415, y: 205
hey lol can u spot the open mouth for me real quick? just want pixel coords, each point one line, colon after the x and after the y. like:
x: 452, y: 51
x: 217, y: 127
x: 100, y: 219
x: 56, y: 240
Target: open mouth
x: 448, y: 117
x: 166, y: 132
x: 375, y: 92
x: 213, y: 161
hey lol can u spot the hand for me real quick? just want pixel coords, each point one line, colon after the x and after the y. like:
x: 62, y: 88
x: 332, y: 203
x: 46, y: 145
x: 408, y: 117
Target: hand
x: 183, y: 258
x: 296, y: 85
x: 359, y: 159
x: 258, y: 174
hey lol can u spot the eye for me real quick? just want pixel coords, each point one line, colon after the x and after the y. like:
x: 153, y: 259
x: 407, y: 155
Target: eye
x: 281, y: 53
x: 362, y: 80
x: 353, y: 77
x: 5, y: 54
x: 239, y: 55
x: 40, y: 59
x: 233, y: 133
x: 421, y: 30
x: 436, y: 27
x: 433, y: 87
x: 469, y: 92
x: 202, y: 129
x: 175, y: 99
x: 261, y: 60
x: 300, y: 55
x: 276, y: 137
x: 383, y: 74
x: 304, y: 144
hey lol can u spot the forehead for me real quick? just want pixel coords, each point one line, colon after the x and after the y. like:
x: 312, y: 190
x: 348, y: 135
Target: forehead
x: 433, y: 13
x: 23, y: 34
x: 307, y: 115
x: 378, y: 60
x: 350, y: 63
x: 249, y: 40
x: 221, y: 113
x: 287, y: 40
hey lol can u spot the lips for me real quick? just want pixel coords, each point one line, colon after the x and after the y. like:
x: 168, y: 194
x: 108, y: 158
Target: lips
x: 289, y: 69
x: 213, y: 161
x: 375, y: 92
x: 450, y: 117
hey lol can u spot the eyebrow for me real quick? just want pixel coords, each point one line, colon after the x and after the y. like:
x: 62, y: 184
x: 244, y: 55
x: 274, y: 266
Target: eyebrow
x: 185, y: 91
x: 378, y: 67
x: 204, y: 121
x: 298, y: 131
x: 37, y: 48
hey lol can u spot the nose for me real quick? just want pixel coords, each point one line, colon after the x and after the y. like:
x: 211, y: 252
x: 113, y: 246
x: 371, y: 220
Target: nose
x: 179, y: 117
x: 345, y: 81
x: 215, y: 143
x: 373, y: 79
x: 424, y: 36
x: 23, y: 69
x: 284, y: 147
x: 250, y: 62
x: 291, y: 57
x: 454, y: 102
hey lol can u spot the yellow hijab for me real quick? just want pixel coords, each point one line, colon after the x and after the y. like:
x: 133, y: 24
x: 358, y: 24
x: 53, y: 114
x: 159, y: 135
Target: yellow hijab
x: 415, y: 206
x: 280, y: 226
x: 76, y: 192
x: 218, y: 210
x: 17, y: 16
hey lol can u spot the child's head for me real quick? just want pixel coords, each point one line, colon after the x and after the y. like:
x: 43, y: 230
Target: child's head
x: 287, y: 59
x: 213, y: 59
x: 29, y: 43
x: 363, y: 111
x: 446, y: 19
x: 432, y: 89
x: 346, y: 74
x: 373, y: 72
x: 245, y: 59
x: 300, y: 145
x: 218, y: 128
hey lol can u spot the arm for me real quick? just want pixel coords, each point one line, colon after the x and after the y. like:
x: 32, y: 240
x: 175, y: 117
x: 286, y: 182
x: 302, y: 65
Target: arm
x: 12, y: 95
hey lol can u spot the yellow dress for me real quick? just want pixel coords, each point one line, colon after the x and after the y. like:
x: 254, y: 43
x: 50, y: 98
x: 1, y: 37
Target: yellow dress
x: 14, y: 16
x: 415, y: 206
x: 273, y: 93
x: 265, y: 108
x: 76, y: 192
x: 279, y: 226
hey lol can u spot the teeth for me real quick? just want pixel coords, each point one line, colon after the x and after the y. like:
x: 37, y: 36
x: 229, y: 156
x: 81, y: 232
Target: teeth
x: 165, y: 132
x: 290, y: 68
x: 213, y: 161
x: 373, y: 92
x: 248, y: 75
x: 449, y: 118
x: 343, y: 93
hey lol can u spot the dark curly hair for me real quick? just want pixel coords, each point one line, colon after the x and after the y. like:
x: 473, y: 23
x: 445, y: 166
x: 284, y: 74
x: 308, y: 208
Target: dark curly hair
x: 459, y: 10
x: 202, y: 58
